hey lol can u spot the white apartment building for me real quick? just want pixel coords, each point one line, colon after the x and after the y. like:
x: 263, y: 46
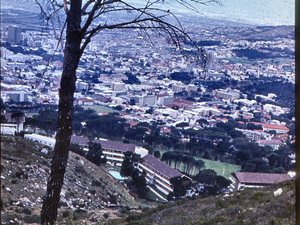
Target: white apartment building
x: 226, y: 94
x: 8, y: 129
x: 254, y: 135
x: 159, y: 173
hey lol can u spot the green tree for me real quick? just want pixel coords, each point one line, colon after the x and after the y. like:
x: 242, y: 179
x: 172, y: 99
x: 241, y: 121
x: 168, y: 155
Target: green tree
x: 273, y: 159
x: 18, y: 115
x: 180, y: 185
x: 206, y: 176
x: 2, y: 119
x: 2, y: 105
x: 222, y: 182
x: 132, y: 101
x: 139, y: 181
x: 77, y: 149
x: 95, y: 154
x: 157, y: 154
x: 127, y: 165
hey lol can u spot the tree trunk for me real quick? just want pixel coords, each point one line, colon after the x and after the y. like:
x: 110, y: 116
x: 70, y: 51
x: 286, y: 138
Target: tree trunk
x: 65, y: 115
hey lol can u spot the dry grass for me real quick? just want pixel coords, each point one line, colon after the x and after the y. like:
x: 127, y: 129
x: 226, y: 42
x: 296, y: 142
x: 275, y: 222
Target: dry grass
x: 252, y: 206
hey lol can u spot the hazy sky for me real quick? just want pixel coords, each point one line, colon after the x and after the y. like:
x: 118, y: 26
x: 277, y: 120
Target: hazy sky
x: 263, y: 12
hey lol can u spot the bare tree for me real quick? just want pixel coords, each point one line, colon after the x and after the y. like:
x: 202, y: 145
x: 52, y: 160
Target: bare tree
x: 83, y: 20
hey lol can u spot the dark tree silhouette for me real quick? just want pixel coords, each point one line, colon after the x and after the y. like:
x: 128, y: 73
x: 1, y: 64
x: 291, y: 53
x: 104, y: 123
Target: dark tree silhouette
x: 2, y: 105
x: 128, y: 164
x: 157, y: 154
x: 81, y: 24
x: 95, y: 153
x: 17, y: 116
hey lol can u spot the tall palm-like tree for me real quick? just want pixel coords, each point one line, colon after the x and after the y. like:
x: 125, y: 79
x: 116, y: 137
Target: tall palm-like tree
x: 82, y: 23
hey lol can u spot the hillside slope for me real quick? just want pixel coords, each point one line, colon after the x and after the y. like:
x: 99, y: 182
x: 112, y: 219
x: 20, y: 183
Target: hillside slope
x: 88, y: 190
x: 252, y: 206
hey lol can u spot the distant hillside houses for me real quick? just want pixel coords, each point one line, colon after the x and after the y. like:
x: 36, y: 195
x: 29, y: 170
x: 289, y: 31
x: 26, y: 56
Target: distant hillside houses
x: 279, y: 129
x: 276, y: 110
x: 255, y: 135
x: 275, y: 144
x: 227, y: 94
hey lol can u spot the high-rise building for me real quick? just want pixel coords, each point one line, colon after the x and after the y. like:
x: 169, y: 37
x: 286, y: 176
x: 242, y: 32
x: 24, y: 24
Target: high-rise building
x: 14, y: 34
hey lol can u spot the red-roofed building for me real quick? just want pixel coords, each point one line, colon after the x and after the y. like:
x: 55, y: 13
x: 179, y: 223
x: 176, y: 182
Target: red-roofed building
x: 255, y: 180
x: 181, y: 103
x: 273, y: 143
x: 85, y: 101
x: 279, y: 129
x: 281, y: 137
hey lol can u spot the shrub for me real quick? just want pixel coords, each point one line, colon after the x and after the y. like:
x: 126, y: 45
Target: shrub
x: 1, y: 204
x: 133, y: 217
x: 221, y: 204
x: 258, y: 196
x: 32, y: 219
x: 96, y: 183
x: 106, y: 215
x: 26, y: 211
x: 79, y: 214
x: 66, y: 214
x: 124, y: 210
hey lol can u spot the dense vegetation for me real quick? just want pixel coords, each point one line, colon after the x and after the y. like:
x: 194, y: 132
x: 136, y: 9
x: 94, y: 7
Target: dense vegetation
x: 20, y: 49
x: 184, y: 77
x: 251, y: 53
x: 131, y: 79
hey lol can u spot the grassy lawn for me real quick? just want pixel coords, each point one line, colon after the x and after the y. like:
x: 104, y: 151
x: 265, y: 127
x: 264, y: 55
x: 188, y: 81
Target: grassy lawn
x: 99, y: 108
x: 221, y: 168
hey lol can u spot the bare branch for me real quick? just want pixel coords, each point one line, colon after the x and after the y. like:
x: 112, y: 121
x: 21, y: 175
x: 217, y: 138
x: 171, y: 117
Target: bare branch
x: 85, y: 7
x: 66, y: 6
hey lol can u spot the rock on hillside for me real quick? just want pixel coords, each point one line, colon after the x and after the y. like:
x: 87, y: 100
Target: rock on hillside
x: 88, y: 191
x: 271, y: 205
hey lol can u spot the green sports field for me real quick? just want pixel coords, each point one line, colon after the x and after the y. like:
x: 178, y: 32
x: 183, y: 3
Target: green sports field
x: 99, y: 108
x: 223, y: 169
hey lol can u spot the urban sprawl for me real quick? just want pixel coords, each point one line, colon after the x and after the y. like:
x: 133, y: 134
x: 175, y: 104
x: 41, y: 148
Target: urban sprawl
x: 246, y: 83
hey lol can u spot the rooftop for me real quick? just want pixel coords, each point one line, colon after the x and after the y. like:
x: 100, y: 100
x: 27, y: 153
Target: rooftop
x: 116, y: 145
x: 79, y: 140
x: 274, y: 126
x: 260, y: 178
x: 161, y: 166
